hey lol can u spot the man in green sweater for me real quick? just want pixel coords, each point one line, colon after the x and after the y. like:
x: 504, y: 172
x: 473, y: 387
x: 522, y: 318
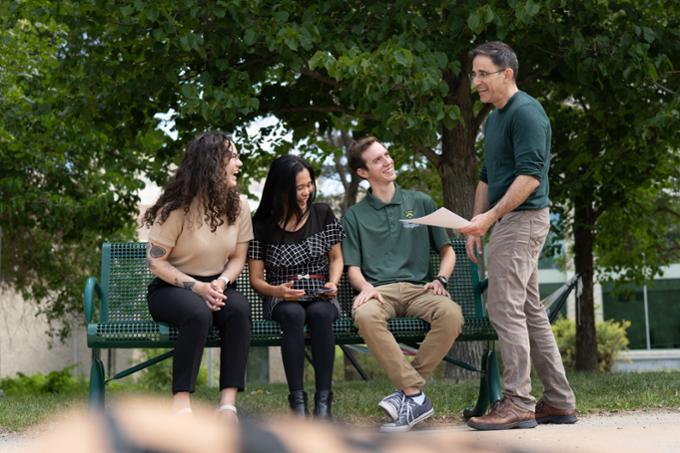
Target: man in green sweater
x: 512, y: 196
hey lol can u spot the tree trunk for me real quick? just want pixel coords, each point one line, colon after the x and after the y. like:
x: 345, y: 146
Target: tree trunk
x: 457, y: 169
x: 586, y: 341
x: 350, y: 181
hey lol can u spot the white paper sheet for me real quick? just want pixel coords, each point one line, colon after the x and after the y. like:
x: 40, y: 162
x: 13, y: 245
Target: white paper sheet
x: 442, y: 217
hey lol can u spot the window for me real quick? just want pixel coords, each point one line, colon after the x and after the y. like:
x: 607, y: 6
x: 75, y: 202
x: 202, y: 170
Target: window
x: 663, y: 301
x: 654, y: 312
x: 626, y: 304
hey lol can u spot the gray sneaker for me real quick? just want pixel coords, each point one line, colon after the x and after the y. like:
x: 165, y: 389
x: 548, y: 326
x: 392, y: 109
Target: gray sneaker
x: 391, y: 404
x: 410, y: 414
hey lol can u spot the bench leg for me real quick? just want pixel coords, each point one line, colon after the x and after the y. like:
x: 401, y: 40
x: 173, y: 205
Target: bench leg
x: 96, y: 396
x: 350, y: 356
x: 489, y: 385
x: 483, y: 397
x: 493, y: 377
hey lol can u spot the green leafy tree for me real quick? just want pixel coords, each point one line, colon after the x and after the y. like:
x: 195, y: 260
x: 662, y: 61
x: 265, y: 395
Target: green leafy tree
x: 393, y: 69
x: 614, y: 102
x: 67, y: 170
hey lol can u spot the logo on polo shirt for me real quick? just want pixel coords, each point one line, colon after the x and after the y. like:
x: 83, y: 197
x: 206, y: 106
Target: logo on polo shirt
x: 409, y: 214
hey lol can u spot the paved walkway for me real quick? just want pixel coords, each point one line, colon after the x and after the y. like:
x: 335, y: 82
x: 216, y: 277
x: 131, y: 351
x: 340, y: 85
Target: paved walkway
x: 657, y: 431
x: 621, y: 432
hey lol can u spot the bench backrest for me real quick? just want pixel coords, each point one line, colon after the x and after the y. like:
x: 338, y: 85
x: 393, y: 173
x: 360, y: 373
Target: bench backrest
x: 125, y: 276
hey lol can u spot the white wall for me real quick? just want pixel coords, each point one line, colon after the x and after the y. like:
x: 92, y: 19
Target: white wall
x: 25, y: 346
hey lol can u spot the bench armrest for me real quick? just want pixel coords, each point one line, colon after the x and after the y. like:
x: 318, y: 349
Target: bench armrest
x: 91, y: 288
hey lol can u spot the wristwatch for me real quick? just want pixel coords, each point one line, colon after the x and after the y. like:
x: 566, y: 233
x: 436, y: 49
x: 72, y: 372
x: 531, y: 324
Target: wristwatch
x: 224, y: 279
x: 442, y: 279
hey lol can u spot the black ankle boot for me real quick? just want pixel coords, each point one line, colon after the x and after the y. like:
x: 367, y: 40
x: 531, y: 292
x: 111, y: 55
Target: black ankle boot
x: 322, y: 404
x: 297, y: 399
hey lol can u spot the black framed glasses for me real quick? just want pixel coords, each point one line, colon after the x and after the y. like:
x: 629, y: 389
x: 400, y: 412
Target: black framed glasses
x: 483, y: 75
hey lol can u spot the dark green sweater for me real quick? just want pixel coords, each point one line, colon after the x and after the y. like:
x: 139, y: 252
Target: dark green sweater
x: 517, y: 142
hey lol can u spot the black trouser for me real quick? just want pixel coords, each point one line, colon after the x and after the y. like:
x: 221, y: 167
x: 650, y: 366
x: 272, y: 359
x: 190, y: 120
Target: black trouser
x: 319, y: 315
x: 189, y: 313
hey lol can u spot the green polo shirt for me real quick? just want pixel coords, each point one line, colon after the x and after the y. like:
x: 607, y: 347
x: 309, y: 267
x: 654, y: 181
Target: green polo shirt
x: 517, y: 142
x: 386, y: 249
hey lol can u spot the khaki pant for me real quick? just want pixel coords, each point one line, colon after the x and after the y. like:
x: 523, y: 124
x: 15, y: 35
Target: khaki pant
x: 515, y: 310
x: 407, y: 299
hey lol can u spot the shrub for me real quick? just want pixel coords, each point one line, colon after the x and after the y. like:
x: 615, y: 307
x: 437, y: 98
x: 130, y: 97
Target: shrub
x: 611, y: 339
x: 61, y: 382
x: 565, y: 336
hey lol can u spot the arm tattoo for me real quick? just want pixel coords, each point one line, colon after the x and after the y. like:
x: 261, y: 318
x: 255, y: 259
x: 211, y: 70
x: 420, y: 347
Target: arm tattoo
x: 188, y: 285
x: 157, y: 251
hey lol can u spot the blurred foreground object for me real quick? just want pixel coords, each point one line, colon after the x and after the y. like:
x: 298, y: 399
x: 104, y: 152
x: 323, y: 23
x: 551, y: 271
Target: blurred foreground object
x: 139, y: 425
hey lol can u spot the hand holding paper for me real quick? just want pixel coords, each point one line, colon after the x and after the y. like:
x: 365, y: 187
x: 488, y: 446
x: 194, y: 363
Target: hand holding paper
x: 442, y: 217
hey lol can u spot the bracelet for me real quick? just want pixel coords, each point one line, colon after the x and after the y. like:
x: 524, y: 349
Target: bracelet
x: 224, y: 279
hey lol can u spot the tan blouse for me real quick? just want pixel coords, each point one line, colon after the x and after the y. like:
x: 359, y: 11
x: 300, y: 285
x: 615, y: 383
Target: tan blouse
x: 197, y: 250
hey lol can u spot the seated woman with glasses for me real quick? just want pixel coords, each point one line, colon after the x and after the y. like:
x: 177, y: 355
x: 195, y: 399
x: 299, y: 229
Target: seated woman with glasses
x: 297, y: 243
x: 200, y: 229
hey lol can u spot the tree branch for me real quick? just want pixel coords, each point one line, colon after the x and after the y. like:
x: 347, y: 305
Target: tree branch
x: 433, y: 157
x: 253, y: 62
x: 664, y: 88
x: 337, y: 159
x: 670, y: 250
x: 320, y: 77
x: 341, y: 172
x: 668, y: 210
x: 323, y: 109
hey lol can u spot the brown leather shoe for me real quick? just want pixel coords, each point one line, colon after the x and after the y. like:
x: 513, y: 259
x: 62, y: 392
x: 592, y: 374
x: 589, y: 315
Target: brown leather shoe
x: 545, y: 413
x: 504, y: 415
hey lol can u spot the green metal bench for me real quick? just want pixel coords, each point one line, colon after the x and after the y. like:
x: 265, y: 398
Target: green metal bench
x: 117, y: 317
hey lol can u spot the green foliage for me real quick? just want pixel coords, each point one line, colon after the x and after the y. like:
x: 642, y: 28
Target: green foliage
x: 649, y: 236
x: 614, y: 151
x: 355, y: 401
x: 67, y: 181
x: 612, y: 101
x: 54, y: 382
x: 611, y: 339
x: 85, y: 79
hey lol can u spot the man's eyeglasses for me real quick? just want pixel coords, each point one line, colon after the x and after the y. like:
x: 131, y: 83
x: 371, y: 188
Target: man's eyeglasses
x: 483, y: 75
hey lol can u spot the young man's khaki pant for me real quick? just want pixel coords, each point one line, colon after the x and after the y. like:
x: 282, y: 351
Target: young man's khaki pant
x: 515, y: 310
x: 407, y: 299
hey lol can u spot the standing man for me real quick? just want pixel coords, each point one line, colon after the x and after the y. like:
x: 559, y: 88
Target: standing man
x: 512, y: 196
x: 389, y: 264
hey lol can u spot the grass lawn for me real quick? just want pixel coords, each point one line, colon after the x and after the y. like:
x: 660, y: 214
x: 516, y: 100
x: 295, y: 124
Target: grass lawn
x: 356, y: 401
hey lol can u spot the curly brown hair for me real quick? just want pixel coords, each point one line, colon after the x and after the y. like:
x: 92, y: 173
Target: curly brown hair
x: 201, y: 174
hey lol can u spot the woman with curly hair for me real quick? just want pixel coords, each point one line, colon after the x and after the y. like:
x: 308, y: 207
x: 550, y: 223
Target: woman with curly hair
x: 200, y: 228
x: 297, y: 242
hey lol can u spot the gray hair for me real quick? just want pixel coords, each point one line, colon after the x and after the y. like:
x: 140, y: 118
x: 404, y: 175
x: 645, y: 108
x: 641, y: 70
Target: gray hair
x: 500, y: 54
